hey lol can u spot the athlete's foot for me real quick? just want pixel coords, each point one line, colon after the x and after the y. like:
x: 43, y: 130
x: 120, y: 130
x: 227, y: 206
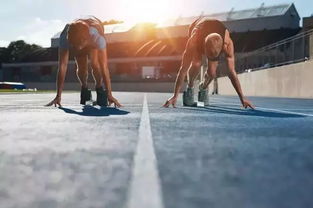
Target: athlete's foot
x: 188, y: 97
x: 203, y: 96
x: 85, y: 95
x: 102, y: 97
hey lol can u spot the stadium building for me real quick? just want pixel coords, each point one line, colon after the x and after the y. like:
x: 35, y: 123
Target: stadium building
x: 152, y: 52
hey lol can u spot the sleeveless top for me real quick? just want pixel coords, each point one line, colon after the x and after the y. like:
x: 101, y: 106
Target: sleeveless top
x: 202, y: 27
x: 96, y: 32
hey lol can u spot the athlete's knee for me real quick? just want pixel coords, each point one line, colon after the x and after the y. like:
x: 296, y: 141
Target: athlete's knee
x: 95, y: 67
x: 210, y: 74
x: 196, y: 64
x: 82, y: 71
x: 97, y: 75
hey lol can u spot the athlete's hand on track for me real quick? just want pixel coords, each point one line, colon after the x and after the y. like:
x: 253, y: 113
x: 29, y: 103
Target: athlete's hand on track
x: 56, y: 101
x: 247, y: 103
x: 112, y: 100
x: 171, y: 101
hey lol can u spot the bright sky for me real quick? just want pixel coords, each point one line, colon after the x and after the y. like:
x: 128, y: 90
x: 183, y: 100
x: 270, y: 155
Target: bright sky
x: 36, y: 21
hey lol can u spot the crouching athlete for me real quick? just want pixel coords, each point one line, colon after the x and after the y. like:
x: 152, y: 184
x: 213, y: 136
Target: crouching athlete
x: 208, y: 37
x: 84, y: 39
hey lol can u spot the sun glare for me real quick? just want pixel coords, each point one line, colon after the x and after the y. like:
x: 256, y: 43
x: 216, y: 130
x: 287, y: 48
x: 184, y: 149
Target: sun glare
x: 148, y: 10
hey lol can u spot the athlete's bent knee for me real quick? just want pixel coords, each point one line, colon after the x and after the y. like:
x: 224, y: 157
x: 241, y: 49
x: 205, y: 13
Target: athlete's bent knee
x: 196, y: 64
x: 211, y: 74
x: 95, y: 66
x: 81, y: 71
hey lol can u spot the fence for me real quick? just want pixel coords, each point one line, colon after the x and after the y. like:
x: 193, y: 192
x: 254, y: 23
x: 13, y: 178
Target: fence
x: 291, y: 50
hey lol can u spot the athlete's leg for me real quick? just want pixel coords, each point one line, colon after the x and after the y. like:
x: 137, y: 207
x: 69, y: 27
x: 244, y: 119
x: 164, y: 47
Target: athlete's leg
x: 96, y: 69
x: 210, y: 74
x: 82, y: 69
x: 186, y: 64
x: 82, y: 75
x: 194, y: 69
x: 102, y: 98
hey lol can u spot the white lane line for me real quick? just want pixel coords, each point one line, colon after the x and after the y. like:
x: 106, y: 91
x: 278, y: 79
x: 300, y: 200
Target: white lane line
x: 145, y: 189
x: 285, y: 111
x: 268, y: 109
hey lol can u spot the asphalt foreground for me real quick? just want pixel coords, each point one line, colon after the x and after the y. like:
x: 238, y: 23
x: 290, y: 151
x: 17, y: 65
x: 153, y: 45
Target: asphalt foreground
x: 145, y: 156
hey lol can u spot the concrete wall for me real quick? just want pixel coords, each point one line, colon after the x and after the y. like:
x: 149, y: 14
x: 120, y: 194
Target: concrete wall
x: 286, y: 81
x: 116, y: 86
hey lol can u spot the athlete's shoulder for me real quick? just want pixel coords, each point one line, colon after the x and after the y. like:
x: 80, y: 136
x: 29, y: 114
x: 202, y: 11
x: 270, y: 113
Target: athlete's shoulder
x: 101, y: 43
x: 97, y: 38
x: 63, y: 40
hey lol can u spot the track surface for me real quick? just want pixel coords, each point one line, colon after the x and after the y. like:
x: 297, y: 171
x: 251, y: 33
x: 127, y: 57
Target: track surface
x: 143, y: 155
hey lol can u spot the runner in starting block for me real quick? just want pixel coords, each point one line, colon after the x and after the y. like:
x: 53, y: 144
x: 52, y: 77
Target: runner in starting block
x: 210, y: 38
x: 84, y: 38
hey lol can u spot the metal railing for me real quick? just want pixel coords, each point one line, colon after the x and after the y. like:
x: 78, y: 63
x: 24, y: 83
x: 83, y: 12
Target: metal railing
x: 288, y: 51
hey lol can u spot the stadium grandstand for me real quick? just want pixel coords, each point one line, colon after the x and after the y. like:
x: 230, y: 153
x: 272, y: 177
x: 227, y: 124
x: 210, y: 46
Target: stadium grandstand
x: 2, y: 54
x: 152, y: 52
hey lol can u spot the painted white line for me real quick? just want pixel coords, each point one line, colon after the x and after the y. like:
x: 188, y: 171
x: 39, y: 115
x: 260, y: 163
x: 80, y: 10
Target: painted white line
x: 145, y: 189
x: 298, y: 109
x: 285, y: 111
x: 268, y: 109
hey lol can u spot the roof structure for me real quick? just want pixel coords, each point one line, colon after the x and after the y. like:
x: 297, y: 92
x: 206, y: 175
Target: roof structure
x: 262, y: 11
x: 232, y: 15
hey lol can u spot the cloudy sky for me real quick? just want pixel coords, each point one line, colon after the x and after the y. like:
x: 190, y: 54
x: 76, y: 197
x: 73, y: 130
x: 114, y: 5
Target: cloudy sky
x: 36, y: 21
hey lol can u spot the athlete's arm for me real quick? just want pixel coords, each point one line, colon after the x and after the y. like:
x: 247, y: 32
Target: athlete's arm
x: 63, y: 61
x: 230, y: 59
x: 185, y: 64
x: 186, y: 61
x: 103, y: 60
x: 182, y: 72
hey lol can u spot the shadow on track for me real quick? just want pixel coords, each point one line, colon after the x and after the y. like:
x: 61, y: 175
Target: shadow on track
x: 96, y: 112
x: 245, y: 112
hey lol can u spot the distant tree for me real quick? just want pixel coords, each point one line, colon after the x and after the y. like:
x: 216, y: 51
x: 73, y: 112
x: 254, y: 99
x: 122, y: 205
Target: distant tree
x: 18, y: 49
x: 3, y: 55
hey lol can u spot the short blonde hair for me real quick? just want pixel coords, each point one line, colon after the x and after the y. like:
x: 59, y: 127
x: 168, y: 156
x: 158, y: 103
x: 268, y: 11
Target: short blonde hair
x: 213, y: 45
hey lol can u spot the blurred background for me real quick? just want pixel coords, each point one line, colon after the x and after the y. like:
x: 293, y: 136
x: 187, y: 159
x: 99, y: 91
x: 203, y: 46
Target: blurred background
x: 146, y: 39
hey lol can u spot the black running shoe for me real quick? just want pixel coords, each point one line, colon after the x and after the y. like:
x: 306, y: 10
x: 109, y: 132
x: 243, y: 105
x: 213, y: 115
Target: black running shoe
x: 85, y: 95
x: 102, y: 97
x: 203, y: 96
x: 188, y: 98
